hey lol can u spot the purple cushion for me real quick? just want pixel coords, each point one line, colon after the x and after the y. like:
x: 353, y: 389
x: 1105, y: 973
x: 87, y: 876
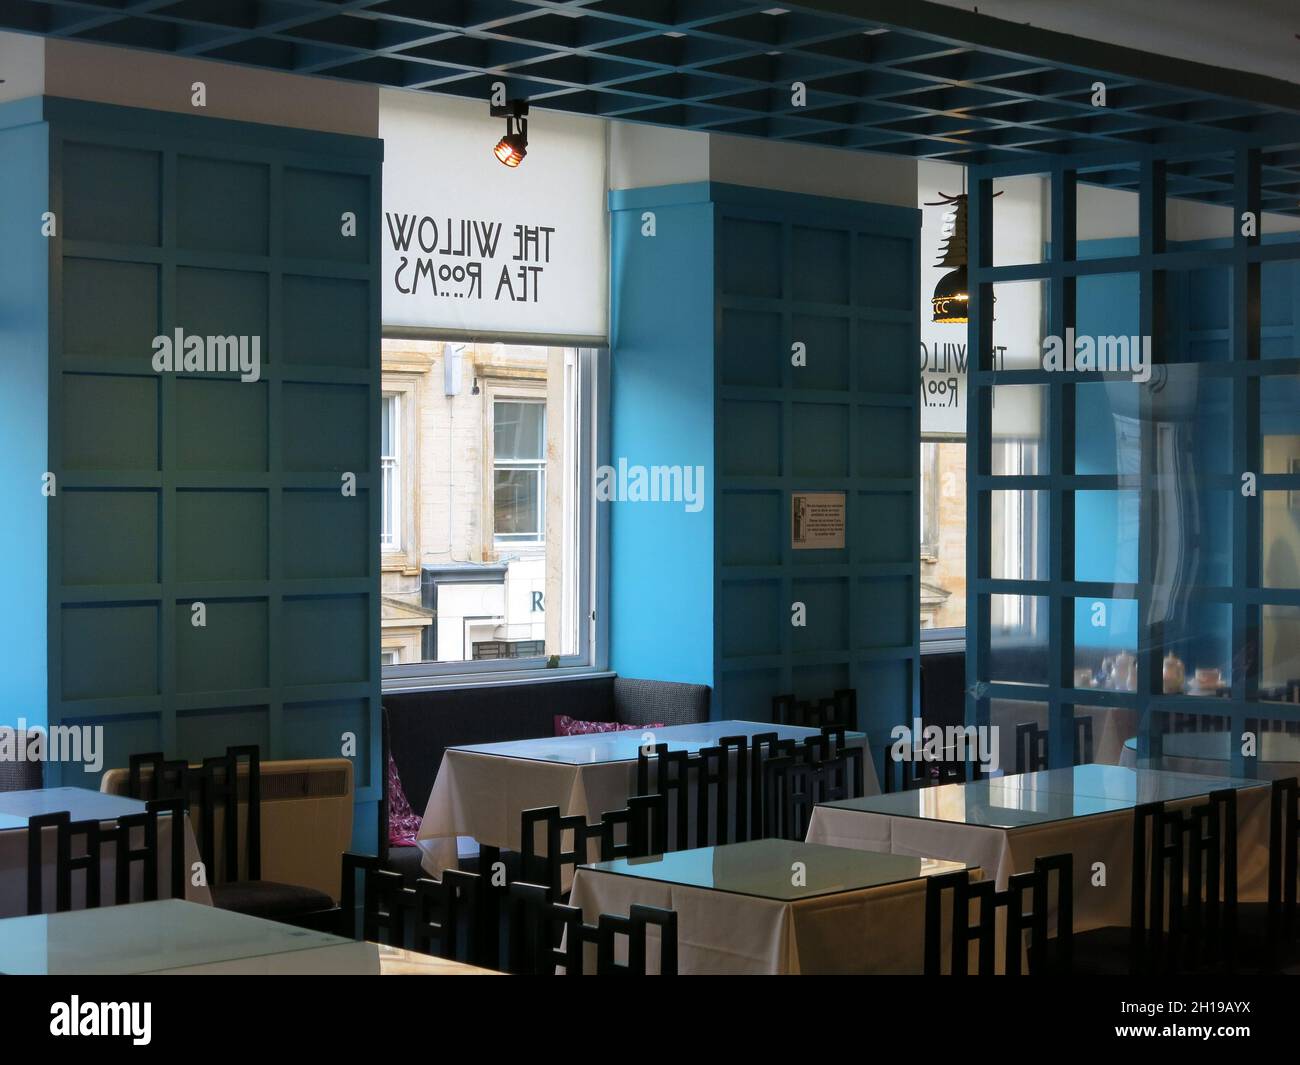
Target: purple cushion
x: 568, y: 726
x: 403, y: 822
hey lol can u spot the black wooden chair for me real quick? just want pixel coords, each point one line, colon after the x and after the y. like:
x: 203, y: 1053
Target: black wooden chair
x: 236, y: 883
x: 1182, y: 908
x: 841, y: 708
x: 1031, y: 745
x: 1041, y: 955
x: 644, y: 822
x: 1268, y: 930
x: 153, y: 776
x: 609, y: 927
x: 79, y: 847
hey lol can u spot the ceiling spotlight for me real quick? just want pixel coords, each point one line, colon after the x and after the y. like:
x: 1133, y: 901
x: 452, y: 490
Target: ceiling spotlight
x: 512, y: 148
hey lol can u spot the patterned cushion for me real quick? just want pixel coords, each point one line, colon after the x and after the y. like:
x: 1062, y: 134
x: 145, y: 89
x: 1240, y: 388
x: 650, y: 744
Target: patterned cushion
x: 403, y: 822
x: 568, y: 726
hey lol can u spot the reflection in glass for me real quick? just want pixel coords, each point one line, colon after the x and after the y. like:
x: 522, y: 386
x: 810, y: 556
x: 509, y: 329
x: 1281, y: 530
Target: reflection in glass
x: 1105, y: 644
x: 1019, y: 325
x: 1018, y: 639
x: 1019, y: 430
x: 1279, y: 424
x: 1280, y: 548
x: 1108, y: 438
x: 1279, y: 637
x: 1279, y: 303
x: 1018, y: 536
x: 1106, y: 533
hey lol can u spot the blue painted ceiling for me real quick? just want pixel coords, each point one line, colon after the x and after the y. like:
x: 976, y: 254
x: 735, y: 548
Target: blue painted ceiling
x: 899, y: 76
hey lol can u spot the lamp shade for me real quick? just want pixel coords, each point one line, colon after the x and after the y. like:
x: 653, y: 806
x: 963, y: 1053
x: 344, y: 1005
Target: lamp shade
x: 951, y: 297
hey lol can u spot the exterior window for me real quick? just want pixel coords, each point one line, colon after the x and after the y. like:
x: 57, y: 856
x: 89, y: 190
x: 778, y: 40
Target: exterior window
x: 391, y: 537
x: 519, y: 471
x: 508, y: 649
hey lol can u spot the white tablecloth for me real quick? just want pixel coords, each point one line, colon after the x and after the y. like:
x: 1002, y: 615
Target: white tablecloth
x: 481, y: 795
x: 13, y: 871
x: 1002, y: 852
x: 876, y: 930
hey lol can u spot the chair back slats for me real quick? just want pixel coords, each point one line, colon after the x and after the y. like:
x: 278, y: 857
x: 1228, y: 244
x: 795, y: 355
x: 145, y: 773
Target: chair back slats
x: 220, y: 788
x: 163, y: 780
x: 176, y: 807
x: 128, y: 855
x: 633, y: 927
x: 1026, y: 902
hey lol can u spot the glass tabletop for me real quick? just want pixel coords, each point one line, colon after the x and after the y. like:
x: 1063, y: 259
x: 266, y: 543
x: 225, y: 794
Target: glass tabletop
x: 82, y: 803
x: 1217, y: 746
x: 623, y: 746
x: 765, y: 868
x: 144, y: 937
x: 1042, y: 797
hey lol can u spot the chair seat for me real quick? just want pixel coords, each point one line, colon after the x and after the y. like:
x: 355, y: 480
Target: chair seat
x: 266, y: 898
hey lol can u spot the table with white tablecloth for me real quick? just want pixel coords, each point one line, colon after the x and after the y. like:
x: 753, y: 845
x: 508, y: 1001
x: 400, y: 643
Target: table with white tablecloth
x: 773, y: 906
x: 16, y: 807
x: 481, y: 790
x: 1004, y: 823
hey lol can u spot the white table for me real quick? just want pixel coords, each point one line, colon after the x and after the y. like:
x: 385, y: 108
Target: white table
x: 1210, y: 753
x: 481, y: 790
x: 16, y: 807
x: 742, y: 910
x: 1002, y: 824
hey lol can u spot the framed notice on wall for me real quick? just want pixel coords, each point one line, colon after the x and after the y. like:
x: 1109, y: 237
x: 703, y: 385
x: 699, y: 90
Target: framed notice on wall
x: 817, y: 520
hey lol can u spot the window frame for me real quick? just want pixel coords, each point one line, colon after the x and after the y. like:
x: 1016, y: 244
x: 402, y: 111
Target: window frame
x: 390, y: 534
x: 514, y: 391
x: 591, y: 542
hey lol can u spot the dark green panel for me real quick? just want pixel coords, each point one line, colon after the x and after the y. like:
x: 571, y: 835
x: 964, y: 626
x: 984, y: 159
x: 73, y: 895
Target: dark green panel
x: 815, y: 681
x: 752, y: 262
x: 749, y: 439
x: 203, y: 733
x: 882, y: 532
x: 316, y: 730
x: 229, y: 652
x: 325, y: 321
x: 123, y: 735
x: 326, y: 639
x: 885, y: 274
x: 886, y: 442
x: 324, y: 535
x: 887, y: 358
x: 110, y: 194
x: 223, y: 303
x: 752, y: 349
x: 826, y: 614
x: 222, y: 206
x: 109, y: 650
x: 746, y: 695
x: 109, y: 537
x: 326, y: 428
x: 885, y: 607
x: 221, y: 425
x: 110, y: 423
x: 110, y: 309
x: 820, y: 440
x: 756, y: 615
x: 827, y: 352
x: 820, y: 269
x: 314, y: 204
x: 750, y: 528
x: 221, y: 536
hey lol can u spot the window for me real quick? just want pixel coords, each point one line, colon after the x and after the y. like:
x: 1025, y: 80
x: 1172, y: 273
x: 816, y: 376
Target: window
x: 519, y: 471
x: 943, y: 537
x: 390, y: 435
x: 488, y: 465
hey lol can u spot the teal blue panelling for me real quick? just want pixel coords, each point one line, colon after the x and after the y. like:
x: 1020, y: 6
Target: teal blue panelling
x: 661, y: 396
x: 222, y: 205
x: 221, y: 425
x: 110, y: 423
x: 835, y: 284
x: 126, y: 210
x: 24, y: 410
x: 839, y: 278
x: 125, y: 735
x: 175, y: 490
x: 108, y: 650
